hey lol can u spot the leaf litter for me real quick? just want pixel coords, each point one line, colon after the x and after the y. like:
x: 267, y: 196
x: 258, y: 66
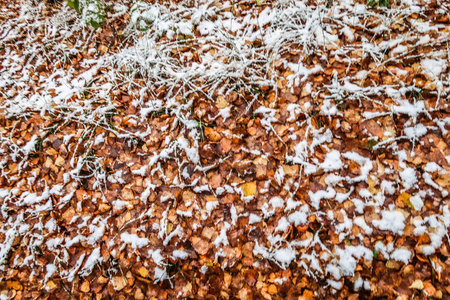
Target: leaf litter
x: 294, y: 149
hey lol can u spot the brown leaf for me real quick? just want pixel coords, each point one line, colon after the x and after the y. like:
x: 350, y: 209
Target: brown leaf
x: 221, y: 102
x: 215, y: 181
x: 119, y: 282
x: 127, y: 194
x: 14, y: 285
x: 200, y: 245
x: 225, y: 144
x: 245, y: 294
x: 429, y: 288
x: 85, y: 287
x: 143, y: 272
x: 59, y: 161
x: 272, y: 289
x: 251, y: 276
x: 138, y: 295
x: 261, y: 172
x: 103, y: 207
x: 417, y: 284
x: 443, y: 180
x: 212, y: 135
x: 252, y: 130
x: 290, y: 170
x: 68, y: 214
x: 102, y: 280
x: 188, y: 196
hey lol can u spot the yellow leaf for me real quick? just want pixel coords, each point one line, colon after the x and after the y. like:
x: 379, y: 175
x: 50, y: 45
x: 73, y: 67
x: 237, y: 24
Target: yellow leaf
x: 287, y: 73
x: 249, y: 188
x: 260, y: 161
x: 418, y: 285
x: 51, y: 285
x: 221, y: 102
x: 188, y: 287
x: 404, y: 197
x: 143, y: 272
x: 443, y: 180
x: 169, y: 228
x: 85, y: 287
x: 59, y: 161
x: 119, y: 283
x: 372, y: 182
x: 272, y: 289
x: 15, y: 285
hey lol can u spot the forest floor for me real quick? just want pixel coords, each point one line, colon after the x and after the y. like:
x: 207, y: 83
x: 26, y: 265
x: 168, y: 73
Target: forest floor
x: 224, y: 149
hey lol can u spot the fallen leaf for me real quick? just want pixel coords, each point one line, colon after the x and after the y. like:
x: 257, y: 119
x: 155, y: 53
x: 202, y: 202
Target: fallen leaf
x: 119, y: 283
x: 443, y: 180
x: 215, y: 181
x: 225, y: 144
x: 138, y: 295
x: 249, y: 188
x: 14, y: 285
x: 102, y: 280
x: 85, y: 287
x: 429, y: 288
x: 103, y: 207
x: 143, y: 272
x: 221, y: 102
x: 418, y: 285
x: 68, y: 214
x: 200, y: 245
x: 59, y: 161
x: 403, y: 198
x: 212, y: 135
x: 272, y: 290
x: 51, y: 285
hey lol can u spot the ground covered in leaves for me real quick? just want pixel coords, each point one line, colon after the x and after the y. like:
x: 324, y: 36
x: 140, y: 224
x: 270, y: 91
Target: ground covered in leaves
x: 224, y: 150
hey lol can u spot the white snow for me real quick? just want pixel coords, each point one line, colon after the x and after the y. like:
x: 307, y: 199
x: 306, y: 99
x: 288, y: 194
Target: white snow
x: 134, y: 240
x: 417, y: 202
x: 253, y: 219
x: 402, y: 255
x: 391, y: 220
x: 319, y: 195
x: 361, y: 223
x: 408, y: 177
x: 283, y: 225
x: 91, y: 261
x: 432, y: 67
x: 180, y: 254
x: 284, y: 256
x: 299, y: 217
x: 432, y: 167
x: 332, y: 161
